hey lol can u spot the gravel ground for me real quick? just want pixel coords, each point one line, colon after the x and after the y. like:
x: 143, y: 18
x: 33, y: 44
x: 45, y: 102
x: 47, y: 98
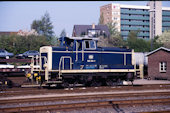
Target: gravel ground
x: 79, y: 94
x: 116, y: 109
x: 76, y: 101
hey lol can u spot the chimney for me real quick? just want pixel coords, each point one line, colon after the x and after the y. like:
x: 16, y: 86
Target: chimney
x: 93, y: 26
x: 148, y: 4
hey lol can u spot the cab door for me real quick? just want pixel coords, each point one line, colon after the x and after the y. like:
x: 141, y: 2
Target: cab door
x: 79, y: 52
x: 78, y: 55
x: 91, y: 55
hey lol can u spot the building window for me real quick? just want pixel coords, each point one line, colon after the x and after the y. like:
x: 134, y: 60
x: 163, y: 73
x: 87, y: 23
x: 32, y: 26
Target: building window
x: 114, y: 18
x: 162, y: 67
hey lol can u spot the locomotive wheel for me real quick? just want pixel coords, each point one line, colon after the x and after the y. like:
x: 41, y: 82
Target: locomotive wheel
x: 75, y: 83
x: 66, y: 85
x: 95, y: 84
x: 119, y: 82
x: 110, y: 83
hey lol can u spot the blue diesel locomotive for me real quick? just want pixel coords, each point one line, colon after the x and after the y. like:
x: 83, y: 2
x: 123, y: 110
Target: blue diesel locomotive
x: 78, y: 60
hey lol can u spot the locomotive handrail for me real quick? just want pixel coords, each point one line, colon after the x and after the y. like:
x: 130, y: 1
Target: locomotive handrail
x: 45, y: 60
x: 62, y: 61
x: 46, y: 68
x: 32, y: 60
x: 36, y: 63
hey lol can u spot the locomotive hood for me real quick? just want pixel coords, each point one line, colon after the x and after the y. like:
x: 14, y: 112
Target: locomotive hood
x: 115, y: 49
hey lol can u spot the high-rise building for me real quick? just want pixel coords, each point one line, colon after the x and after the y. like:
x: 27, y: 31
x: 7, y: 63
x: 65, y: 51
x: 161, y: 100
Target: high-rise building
x: 155, y: 18
x: 150, y: 20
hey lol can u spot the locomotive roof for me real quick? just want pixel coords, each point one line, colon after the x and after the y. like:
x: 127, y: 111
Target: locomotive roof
x: 83, y: 38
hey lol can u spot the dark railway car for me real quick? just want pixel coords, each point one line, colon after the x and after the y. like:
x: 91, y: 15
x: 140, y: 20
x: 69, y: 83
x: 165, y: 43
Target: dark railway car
x: 78, y: 60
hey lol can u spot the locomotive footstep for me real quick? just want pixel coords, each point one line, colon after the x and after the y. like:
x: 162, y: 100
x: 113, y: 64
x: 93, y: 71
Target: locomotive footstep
x: 68, y: 89
x: 82, y: 88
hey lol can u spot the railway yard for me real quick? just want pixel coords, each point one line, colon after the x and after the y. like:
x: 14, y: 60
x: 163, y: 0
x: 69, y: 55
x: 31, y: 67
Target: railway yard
x: 144, y: 96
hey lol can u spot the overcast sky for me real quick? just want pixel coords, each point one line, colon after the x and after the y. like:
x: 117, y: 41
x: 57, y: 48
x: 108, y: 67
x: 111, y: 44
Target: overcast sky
x: 15, y: 16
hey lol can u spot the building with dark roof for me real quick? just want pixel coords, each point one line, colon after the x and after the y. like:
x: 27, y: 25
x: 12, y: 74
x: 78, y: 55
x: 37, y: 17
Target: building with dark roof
x: 7, y: 33
x: 90, y: 30
x: 159, y: 64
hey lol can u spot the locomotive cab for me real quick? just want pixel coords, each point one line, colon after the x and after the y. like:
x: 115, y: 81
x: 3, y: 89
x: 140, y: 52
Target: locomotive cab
x: 79, y: 43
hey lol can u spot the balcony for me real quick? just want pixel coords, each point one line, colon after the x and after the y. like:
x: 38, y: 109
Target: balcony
x: 166, y: 24
x: 163, y: 29
x: 135, y: 17
x: 165, y: 13
x: 134, y: 12
x: 135, y: 28
x: 143, y: 34
x: 134, y: 23
x: 139, y: 35
x: 165, y: 18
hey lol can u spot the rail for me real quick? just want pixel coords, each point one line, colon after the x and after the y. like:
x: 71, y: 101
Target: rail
x: 74, y: 102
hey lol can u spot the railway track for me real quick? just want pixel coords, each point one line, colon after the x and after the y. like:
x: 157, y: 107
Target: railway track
x: 78, y: 105
x: 43, y: 100
x: 28, y: 91
x: 86, y: 100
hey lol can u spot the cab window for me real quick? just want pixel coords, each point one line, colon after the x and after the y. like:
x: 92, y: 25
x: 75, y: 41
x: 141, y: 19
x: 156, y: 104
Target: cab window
x: 87, y: 44
x: 90, y: 44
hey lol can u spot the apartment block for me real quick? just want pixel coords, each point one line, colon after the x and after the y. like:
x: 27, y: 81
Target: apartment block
x: 151, y: 20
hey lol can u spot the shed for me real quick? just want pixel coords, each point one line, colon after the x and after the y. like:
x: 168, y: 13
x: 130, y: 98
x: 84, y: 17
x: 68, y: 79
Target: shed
x: 159, y: 63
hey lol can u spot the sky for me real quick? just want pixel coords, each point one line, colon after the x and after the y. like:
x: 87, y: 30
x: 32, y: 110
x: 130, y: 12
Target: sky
x: 15, y: 16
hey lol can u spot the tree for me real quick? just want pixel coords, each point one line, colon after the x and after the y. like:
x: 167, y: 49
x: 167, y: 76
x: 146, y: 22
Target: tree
x: 7, y: 42
x: 132, y: 36
x: 44, y: 26
x: 112, y: 28
x: 101, y: 19
x: 55, y: 41
x: 116, y: 40
x: 164, y: 39
x: 139, y: 45
x: 63, y: 33
x: 155, y: 44
x: 19, y: 44
x: 102, y: 42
